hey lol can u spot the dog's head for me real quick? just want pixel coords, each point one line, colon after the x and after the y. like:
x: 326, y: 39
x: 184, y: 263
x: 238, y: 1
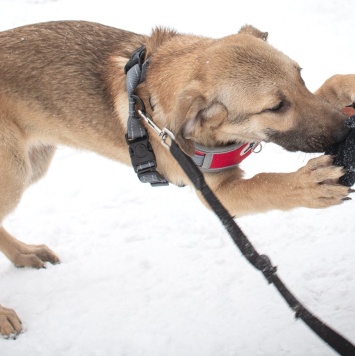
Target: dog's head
x: 237, y: 89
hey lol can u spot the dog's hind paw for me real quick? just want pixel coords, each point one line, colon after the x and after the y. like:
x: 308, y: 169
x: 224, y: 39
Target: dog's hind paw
x: 23, y: 255
x: 10, y: 324
x: 34, y: 256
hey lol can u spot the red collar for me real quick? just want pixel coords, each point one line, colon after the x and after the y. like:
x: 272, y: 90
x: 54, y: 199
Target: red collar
x: 220, y: 158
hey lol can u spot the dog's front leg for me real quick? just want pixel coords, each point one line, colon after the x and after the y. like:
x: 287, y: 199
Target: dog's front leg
x: 10, y: 324
x: 338, y: 90
x: 312, y: 186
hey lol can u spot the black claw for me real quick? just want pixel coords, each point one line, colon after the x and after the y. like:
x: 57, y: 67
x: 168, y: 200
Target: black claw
x: 346, y: 198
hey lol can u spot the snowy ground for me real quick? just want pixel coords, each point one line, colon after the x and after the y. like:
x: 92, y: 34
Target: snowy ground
x: 149, y: 271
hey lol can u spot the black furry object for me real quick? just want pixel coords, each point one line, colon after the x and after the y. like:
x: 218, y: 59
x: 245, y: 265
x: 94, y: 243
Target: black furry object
x: 344, y: 153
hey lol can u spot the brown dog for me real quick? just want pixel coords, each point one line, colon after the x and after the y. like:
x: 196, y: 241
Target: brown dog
x: 64, y: 83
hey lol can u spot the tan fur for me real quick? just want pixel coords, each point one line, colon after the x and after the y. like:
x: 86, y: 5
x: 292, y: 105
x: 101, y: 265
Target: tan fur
x: 338, y: 90
x: 63, y: 83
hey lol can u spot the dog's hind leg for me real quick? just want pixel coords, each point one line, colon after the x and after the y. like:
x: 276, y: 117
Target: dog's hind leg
x: 20, y: 166
x: 40, y: 157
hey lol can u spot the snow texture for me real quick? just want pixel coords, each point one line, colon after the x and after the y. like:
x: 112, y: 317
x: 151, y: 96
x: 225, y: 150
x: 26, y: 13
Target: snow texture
x: 150, y: 271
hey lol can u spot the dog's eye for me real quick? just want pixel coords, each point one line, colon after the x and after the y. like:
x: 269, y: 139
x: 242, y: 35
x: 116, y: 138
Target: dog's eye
x: 277, y: 107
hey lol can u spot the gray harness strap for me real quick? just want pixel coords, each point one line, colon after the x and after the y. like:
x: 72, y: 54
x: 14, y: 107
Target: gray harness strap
x: 141, y: 152
x: 134, y: 76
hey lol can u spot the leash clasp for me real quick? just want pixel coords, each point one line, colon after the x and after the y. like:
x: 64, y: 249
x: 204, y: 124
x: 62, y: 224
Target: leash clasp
x: 167, y: 135
x: 164, y: 133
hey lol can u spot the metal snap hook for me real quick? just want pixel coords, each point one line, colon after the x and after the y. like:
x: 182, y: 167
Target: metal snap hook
x: 258, y: 148
x: 139, y: 101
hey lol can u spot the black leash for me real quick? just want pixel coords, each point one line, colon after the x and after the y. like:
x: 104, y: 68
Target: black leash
x: 261, y: 262
x: 134, y: 69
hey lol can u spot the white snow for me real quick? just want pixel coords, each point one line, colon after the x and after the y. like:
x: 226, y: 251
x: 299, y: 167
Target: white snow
x: 150, y: 271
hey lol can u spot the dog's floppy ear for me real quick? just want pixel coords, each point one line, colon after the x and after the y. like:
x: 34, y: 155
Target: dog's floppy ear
x: 195, y: 117
x: 185, y: 116
x: 250, y: 30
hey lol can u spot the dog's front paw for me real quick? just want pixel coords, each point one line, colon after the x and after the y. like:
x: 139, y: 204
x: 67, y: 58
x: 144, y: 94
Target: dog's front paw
x: 10, y: 324
x: 317, y: 184
x: 338, y: 90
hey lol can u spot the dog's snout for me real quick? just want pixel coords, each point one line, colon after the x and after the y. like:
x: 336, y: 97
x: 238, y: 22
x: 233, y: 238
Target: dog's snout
x: 338, y: 128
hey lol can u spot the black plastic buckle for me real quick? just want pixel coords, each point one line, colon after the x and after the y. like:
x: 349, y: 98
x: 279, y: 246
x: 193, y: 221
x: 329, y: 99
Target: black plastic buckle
x: 144, y: 162
x: 141, y: 153
x: 153, y: 177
